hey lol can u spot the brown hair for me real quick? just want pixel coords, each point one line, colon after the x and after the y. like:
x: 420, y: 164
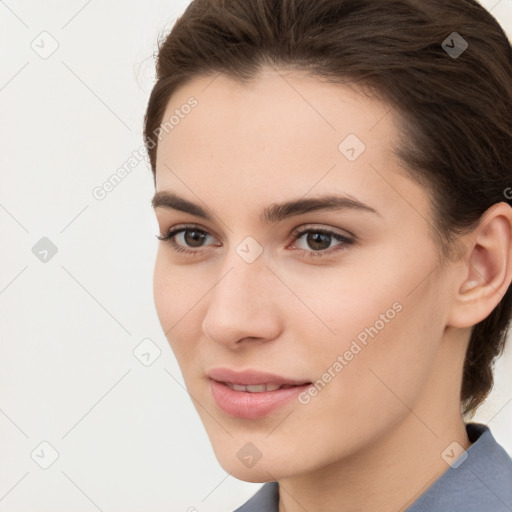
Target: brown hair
x: 455, y: 111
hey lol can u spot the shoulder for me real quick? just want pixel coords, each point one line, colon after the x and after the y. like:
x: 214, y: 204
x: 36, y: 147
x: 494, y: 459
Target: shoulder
x: 481, y: 479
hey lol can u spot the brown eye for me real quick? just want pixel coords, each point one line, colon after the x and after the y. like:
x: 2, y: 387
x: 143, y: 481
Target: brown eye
x: 318, y: 241
x: 321, y: 239
x: 194, y: 237
x: 180, y: 239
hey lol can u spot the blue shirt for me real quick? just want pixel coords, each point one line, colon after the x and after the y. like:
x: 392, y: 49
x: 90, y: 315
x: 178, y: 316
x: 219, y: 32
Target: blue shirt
x: 481, y: 483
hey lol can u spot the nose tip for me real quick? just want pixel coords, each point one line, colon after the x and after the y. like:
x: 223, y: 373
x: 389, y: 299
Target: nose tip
x: 241, y: 307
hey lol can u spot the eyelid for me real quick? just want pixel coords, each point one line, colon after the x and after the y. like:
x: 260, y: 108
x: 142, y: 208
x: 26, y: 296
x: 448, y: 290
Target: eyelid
x: 322, y: 227
x: 185, y: 227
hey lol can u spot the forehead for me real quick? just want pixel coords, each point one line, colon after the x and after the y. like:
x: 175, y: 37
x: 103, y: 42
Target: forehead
x: 275, y: 108
x: 283, y: 134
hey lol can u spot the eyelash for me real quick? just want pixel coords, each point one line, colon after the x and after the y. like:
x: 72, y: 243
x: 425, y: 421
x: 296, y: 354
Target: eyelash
x: 168, y: 238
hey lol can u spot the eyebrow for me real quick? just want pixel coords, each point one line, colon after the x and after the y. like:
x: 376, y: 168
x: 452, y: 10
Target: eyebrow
x: 273, y: 213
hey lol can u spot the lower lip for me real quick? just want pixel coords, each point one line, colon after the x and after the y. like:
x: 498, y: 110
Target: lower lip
x: 244, y: 404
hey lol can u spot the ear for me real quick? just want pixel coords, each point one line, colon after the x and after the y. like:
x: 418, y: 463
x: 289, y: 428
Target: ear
x: 487, y: 268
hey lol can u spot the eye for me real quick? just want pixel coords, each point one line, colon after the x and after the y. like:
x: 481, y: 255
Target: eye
x: 189, y: 236
x: 320, y: 239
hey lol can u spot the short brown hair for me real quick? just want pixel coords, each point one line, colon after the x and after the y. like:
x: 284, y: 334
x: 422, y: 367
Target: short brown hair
x: 455, y: 110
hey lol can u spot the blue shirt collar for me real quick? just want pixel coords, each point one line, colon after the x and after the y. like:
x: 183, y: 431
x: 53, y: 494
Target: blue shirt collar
x: 483, y: 481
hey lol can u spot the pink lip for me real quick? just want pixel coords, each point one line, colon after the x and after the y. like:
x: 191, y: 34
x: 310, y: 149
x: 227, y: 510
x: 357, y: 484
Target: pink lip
x: 249, y: 377
x: 244, y: 404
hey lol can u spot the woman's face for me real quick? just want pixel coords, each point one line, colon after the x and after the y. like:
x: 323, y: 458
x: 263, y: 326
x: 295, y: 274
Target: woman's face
x: 359, y: 306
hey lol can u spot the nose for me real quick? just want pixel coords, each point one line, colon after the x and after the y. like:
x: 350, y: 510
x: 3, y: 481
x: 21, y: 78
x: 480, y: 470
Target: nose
x: 243, y: 306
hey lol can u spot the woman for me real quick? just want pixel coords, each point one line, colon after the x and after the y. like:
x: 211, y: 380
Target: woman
x: 335, y: 262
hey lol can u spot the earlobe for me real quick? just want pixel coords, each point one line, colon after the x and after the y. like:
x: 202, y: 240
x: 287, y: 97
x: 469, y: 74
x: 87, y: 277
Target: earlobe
x: 487, y: 270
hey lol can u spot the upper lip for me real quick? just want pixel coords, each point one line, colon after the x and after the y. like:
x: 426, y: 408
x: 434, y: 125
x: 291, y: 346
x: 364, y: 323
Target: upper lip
x: 251, y: 377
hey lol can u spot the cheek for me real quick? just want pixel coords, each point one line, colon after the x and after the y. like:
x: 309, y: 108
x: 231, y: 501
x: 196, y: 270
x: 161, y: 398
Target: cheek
x: 176, y: 294
x: 379, y: 330
x: 337, y: 304
x: 378, y: 381
x: 176, y: 288
x: 164, y: 290
x: 377, y: 389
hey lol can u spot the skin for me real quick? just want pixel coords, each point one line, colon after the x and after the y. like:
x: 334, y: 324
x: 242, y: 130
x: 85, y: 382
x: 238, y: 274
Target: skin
x: 372, y: 439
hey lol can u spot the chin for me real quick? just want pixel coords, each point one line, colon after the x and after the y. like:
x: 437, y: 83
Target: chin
x: 266, y: 469
x: 258, y: 473
x: 253, y: 476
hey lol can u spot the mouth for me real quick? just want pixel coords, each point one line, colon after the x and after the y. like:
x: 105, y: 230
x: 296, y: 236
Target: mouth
x: 252, y: 380
x: 254, y: 401
x: 260, y: 388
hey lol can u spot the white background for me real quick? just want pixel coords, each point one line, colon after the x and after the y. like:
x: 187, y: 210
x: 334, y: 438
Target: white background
x: 127, y: 435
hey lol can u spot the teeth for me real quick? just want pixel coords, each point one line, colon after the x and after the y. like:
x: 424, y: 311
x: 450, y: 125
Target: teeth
x: 254, y: 388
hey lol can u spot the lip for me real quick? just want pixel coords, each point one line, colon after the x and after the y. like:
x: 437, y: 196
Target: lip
x: 244, y: 404
x: 252, y: 377
x: 248, y: 405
